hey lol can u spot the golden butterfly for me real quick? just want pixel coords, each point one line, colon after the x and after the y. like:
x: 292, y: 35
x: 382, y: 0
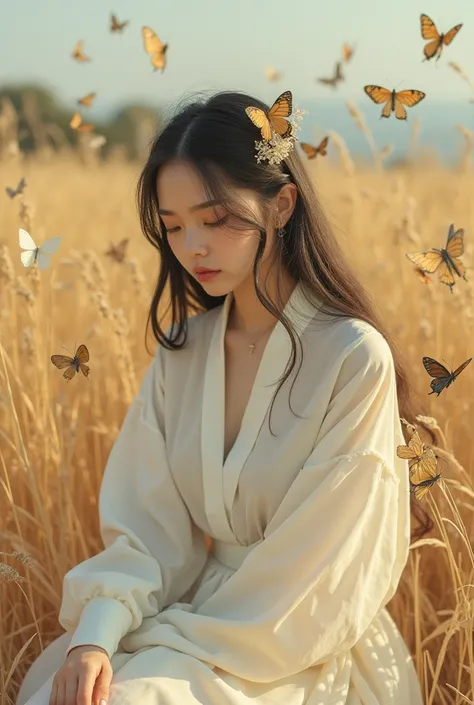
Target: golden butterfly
x: 422, y: 463
x: 116, y: 26
x: 336, y: 78
x: 442, y: 376
x: 73, y: 364
x: 311, y: 152
x: 77, y: 124
x: 87, y: 100
x: 435, y: 46
x: 78, y: 52
x: 117, y: 252
x: 394, y: 101
x: 446, y: 260
x: 155, y: 48
x: 273, y: 120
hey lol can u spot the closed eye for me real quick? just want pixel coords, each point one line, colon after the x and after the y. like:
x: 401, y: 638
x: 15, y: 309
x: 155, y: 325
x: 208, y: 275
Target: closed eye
x: 214, y: 224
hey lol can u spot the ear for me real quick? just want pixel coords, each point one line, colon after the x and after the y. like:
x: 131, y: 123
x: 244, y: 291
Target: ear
x: 285, y: 203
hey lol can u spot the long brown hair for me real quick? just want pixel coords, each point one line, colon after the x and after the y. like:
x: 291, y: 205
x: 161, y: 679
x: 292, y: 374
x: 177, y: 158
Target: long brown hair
x: 217, y: 139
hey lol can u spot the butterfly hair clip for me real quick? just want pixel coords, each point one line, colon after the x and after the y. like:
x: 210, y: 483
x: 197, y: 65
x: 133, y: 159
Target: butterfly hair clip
x: 277, y: 131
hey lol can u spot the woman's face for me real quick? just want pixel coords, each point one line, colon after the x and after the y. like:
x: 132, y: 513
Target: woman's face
x: 197, y: 233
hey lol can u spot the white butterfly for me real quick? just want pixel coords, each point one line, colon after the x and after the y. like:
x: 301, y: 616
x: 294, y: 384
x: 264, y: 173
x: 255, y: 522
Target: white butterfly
x: 33, y: 253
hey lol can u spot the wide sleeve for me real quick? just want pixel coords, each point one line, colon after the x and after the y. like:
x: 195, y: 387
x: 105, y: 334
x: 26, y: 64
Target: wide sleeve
x: 333, y: 553
x: 153, y: 550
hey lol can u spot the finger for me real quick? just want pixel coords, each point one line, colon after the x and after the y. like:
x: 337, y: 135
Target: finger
x: 61, y: 693
x: 102, y: 685
x: 70, y: 689
x: 86, y: 684
x: 54, y: 693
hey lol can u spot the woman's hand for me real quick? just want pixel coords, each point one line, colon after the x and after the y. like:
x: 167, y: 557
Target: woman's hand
x: 84, y: 678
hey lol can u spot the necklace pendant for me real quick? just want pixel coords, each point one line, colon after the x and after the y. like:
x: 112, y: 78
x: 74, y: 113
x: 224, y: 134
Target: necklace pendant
x: 251, y: 348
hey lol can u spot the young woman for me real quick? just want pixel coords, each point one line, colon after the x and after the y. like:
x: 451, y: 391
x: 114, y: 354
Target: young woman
x: 300, y: 488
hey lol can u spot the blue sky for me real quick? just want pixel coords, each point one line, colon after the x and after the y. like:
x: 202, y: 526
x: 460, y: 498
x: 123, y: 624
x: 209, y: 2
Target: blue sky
x: 217, y: 44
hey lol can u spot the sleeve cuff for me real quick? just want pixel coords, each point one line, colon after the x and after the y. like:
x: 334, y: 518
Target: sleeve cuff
x: 104, y: 621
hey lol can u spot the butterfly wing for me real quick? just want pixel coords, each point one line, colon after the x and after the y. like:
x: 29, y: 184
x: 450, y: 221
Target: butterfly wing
x: 309, y: 150
x: 431, y: 49
x: 347, y: 52
x: 377, y: 93
x: 28, y: 258
x: 10, y: 192
x: 43, y: 260
x: 69, y: 373
x: 427, y: 261
x: 82, y: 354
x: 158, y: 60
x: 25, y: 240
x: 338, y: 76
x: 85, y: 369
x: 260, y: 120
x: 455, y: 245
x: 62, y: 361
x: 428, y: 28
x: 50, y: 247
x: 75, y: 121
x: 426, y: 468
x: 400, y: 112
x: 410, y: 97
x: 449, y: 36
x: 419, y: 490
x: 323, y: 147
x: 87, y: 100
x: 151, y: 41
x: 446, y: 275
x: 461, y: 367
x: 280, y: 110
x: 435, y: 368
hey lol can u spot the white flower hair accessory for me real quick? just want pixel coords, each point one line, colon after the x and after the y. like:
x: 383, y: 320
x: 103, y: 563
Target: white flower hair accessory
x: 277, y: 131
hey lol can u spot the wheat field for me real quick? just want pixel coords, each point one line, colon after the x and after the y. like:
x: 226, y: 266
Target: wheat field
x: 55, y: 437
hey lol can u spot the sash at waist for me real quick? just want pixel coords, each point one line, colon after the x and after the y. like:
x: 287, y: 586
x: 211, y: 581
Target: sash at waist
x: 231, y: 555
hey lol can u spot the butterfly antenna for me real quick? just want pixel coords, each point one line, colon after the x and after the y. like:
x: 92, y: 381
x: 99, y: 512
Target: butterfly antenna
x: 450, y: 367
x: 67, y: 350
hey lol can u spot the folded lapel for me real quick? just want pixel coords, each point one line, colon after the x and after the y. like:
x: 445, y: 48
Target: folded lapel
x: 221, y: 479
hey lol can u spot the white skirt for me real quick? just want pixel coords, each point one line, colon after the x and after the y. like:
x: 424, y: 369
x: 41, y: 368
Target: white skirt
x: 378, y: 670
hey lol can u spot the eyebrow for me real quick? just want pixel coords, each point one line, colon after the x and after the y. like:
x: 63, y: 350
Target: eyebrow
x: 199, y: 206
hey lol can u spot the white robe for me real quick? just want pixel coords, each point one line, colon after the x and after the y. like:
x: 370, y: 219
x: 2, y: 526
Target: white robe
x: 311, y: 530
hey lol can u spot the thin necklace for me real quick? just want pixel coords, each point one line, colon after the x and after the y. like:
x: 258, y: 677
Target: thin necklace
x: 252, y: 345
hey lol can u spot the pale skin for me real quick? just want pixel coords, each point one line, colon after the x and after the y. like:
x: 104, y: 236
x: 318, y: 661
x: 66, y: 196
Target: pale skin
x: 86, y: 675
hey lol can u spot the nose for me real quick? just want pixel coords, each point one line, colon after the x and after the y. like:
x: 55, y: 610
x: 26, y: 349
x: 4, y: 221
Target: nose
x: 195, y: 241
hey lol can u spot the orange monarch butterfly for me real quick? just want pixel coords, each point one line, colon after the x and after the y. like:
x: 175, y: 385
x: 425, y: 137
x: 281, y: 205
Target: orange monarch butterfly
x: 87, y: 100
x: 19, y: 189
x: 311, y: 152
x: 347, y: 52
x: 446, y: 259
x: 443, y: 377
x: 435, y: 46
x: 77, y: 124
x: 420, y: 459
x: 155, y: 48
x: 78, y: 53
x: 116, y: 26
x: 117, y: 252
x: 73, y: 364
x: 394, y: 101
x: 335, y: 79
x: 274, y: 119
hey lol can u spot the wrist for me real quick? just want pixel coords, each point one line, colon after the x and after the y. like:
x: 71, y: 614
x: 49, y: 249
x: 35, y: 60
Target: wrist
x: 88, y: 647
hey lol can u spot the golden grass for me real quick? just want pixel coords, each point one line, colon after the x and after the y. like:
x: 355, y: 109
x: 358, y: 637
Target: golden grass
x: 55, y: 437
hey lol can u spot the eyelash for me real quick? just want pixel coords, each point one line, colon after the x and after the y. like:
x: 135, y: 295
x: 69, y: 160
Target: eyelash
x: 215, y: 224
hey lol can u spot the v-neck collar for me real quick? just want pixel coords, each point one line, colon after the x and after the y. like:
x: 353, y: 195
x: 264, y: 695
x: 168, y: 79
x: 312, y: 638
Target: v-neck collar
x: 220, y: 479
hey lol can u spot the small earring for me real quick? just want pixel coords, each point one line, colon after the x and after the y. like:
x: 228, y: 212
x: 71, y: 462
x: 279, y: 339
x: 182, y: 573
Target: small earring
x: 281, y: 232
